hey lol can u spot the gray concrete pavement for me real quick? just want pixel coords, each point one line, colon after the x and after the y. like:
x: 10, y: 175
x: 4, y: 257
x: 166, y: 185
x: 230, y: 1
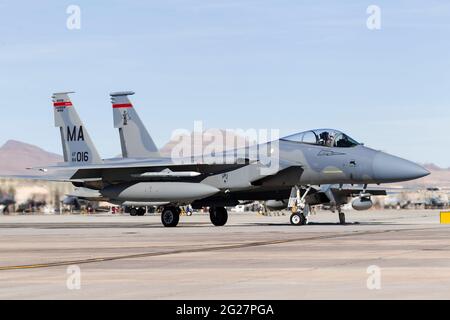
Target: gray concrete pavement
x: 253, y: 257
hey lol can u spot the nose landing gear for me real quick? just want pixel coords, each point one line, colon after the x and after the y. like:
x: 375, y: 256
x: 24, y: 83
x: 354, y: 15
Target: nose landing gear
x: 341, y: 216
x: 298, y: 219
x: 300, y: 210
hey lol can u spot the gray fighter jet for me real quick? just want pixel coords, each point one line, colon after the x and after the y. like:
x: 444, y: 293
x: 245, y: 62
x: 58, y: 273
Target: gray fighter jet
x: 136, y: 142
x: 308, y: 168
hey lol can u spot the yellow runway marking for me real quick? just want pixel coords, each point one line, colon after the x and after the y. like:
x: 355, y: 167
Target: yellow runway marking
x: 445, y: 217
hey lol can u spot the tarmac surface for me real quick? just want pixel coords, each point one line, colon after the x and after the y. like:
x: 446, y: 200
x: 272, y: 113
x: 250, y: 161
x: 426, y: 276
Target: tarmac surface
x: 377, y: 255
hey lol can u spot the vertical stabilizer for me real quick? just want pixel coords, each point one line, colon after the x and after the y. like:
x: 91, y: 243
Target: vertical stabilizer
x: 77, y: 144
x: 134, y: 137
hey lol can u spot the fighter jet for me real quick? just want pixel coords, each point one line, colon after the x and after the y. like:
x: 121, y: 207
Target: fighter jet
x: 308, y: 168
x: 136, y: 142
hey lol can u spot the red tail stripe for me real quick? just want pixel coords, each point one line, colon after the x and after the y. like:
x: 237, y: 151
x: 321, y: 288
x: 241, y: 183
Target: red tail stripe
x: 122, y: 105
x: 62, y: 104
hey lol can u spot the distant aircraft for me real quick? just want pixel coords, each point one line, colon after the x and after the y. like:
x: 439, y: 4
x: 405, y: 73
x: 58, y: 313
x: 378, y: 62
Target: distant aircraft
x: 326, y: 158
x: 5, y: 202
x: 430, y: 198
x: 436, y: 199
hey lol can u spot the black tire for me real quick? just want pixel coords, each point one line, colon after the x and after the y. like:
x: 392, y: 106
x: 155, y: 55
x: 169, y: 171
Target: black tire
x: 133, y: 212
x: 170, y: 217
x: 297, y: 219
x: 141, y: 212
x: 218, y: 216
x: 341, y: 218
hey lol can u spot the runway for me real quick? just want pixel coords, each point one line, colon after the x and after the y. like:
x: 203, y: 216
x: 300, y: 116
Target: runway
x: 253, y: 257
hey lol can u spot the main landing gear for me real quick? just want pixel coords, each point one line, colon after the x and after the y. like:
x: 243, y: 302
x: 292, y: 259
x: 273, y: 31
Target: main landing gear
x: 170, y: 216
x: 218, y: 216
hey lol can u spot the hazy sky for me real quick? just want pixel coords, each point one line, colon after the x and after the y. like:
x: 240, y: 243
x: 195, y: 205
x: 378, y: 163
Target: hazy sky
x: 292, y: 65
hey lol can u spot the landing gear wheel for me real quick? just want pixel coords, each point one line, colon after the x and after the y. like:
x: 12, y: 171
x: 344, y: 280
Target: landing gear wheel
x: 298, y: 219
x: 218, y: 216
x: 133, y: 212
x: 141, y: 212
x: 341, y: 218
x: 170, y: 217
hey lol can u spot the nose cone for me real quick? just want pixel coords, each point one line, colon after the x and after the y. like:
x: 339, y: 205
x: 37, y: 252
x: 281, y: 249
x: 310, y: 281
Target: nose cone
x: 388, y: 168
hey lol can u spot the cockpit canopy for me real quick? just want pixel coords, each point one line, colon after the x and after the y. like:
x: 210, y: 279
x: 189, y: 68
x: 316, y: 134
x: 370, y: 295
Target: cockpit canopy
x: 323, y: 137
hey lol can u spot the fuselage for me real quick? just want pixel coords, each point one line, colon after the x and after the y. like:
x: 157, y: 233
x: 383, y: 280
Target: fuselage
x: 272, y: 173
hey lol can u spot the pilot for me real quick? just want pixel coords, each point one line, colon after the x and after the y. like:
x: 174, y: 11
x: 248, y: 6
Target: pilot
x: 330, y: 141
x: 324, y: 137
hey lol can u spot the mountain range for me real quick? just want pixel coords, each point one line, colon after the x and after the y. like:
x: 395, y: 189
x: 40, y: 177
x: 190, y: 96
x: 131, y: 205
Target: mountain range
x: 16, y: 156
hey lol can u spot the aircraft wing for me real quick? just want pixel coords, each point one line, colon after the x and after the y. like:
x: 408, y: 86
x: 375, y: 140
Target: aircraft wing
x: 154, y: 172
x: 129, y: 170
